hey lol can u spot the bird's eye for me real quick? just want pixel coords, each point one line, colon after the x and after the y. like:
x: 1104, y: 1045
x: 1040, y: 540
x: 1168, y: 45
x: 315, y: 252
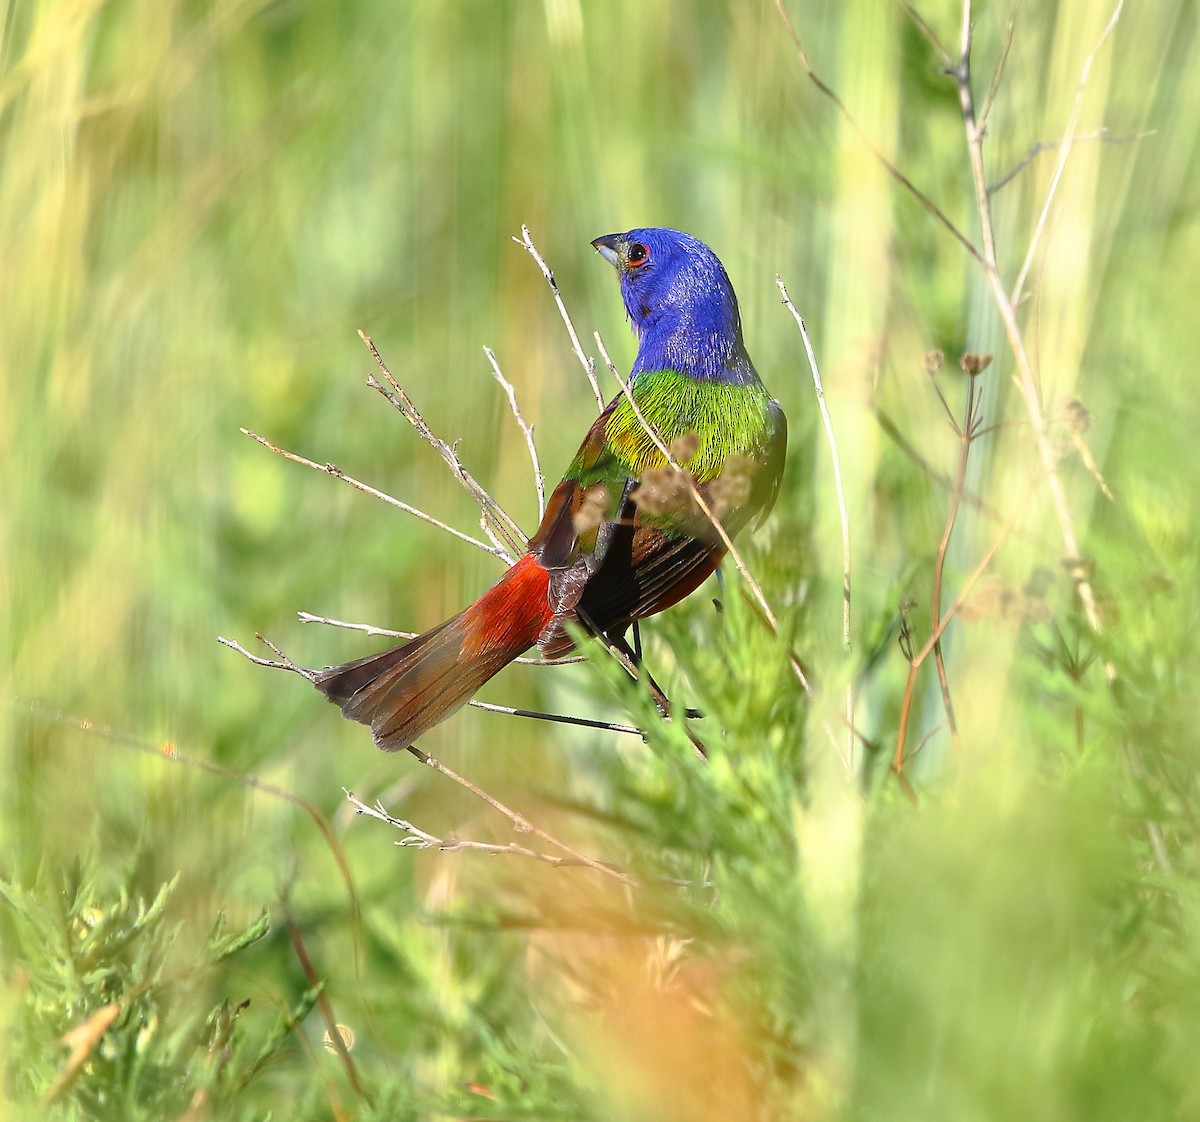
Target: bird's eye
x: 638, y: 255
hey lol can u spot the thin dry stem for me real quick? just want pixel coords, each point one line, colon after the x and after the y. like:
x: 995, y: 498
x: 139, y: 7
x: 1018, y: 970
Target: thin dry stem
x: 588, y: 364
x: 916, y: 660
x: 966, y: 434
x: 500, y: 528
x: 1064, y: 150
x: 1006, y: 306
x: 422, y: 839
x: 1035, y: 150
x: 520, y: 823
x: 998, y: 73
x: 839, y: 490
x: 387, y: 632
x: 933, y: 209
x: 367, y: 489
x: 827, y: 421
x: 539, y: 480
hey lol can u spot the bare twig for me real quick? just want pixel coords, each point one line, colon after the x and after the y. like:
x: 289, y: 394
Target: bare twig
x: 1064, y: 147
x: 282, y: 663
x: 559, y: 718
x: 966, y: 433
x: 588, y: 364
x: 930, y: 206
x: 1041, y: 146
x: 500, y: 528
x: 337, y: 473
x: 519, y: 821
x: 916, y: 660
x: 839, y: 490
x: 314, y: 980
x: 1026, y: 380
x: 387, y: 632
x: 923, y: 27
x: 416, y: 838
x: 827, y: 421
x: 998, y: 73
x: 539, y: 480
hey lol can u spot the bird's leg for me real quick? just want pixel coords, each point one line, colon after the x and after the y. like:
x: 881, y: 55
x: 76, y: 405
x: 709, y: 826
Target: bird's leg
x: 635, y: 656
x: 631, y: 660
x: 660, y: 699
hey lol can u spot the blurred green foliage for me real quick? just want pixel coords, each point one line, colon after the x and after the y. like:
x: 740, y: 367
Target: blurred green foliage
x: 201, y: 203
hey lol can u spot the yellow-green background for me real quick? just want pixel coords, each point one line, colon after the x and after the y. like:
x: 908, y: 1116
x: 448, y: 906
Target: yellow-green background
x: 200, y: 204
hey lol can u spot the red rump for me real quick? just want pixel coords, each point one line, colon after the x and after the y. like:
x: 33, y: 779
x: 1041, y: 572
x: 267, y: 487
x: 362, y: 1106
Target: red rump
x: 511, y: 614
x: 403, y: 692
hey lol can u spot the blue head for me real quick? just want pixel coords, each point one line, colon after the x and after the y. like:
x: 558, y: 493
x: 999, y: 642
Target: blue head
x: 680, y: 302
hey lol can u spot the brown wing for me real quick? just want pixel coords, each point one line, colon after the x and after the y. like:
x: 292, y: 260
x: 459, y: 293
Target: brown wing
x: 644, y: 571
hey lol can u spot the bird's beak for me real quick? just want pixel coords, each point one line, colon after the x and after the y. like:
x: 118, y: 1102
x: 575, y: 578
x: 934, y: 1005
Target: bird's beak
x: 611, y: 247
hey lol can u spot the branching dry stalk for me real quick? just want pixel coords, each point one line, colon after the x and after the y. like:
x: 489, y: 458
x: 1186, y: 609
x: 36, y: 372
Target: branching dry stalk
x: 520, y: 823
x: 967, y: 432
x: 367, y: 489
x: 915, y: 661
x: 1006, y: 305
x: 495, y: 521
x: 416, y: 838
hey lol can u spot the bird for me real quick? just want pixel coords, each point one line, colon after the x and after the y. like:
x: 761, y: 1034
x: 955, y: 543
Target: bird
x: 622, y: 537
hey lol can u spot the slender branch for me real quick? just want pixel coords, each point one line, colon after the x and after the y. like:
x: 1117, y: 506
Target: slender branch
x: 916, y: 660
x: 1041, y: 146
x: 539, y: 479
x: 331, y: 1025
x: 422, y: 839
x: 839, y: 490
x: 282, y: 663
x: 930, y: 206
x: 588, y: 364
x: 923, y: 27
x: 519, y: 821
x: 998, y: 73
x: 1064, y: 150
x: 337, y: 473
x: 827, y: 421
x: 494, y: 519
x: 559, y: 718
x: 387, y: 632
x: 966, y: 435
x: 1026, y: 380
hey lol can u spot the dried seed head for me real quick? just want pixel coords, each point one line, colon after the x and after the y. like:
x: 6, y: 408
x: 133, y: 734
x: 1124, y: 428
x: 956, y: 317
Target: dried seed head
x: 973, y: 364
x: 1075, y: 415
x: 933, y: 361
x: 593, y: 509
x: 684, y: 448
x: 662, y: 490
x: 731, y: 488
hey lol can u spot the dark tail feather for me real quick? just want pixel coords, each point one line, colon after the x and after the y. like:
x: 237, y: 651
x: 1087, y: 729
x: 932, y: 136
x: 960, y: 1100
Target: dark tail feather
x: 403, y: 692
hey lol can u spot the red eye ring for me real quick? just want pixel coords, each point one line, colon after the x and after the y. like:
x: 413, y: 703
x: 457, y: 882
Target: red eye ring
x: 637, y: 255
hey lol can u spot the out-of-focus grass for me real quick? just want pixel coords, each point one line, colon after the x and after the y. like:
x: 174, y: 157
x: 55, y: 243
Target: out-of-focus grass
x: 199, y: 204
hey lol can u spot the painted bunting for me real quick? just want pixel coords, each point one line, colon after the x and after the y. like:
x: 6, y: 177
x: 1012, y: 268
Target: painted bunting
x: 622, y: 537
